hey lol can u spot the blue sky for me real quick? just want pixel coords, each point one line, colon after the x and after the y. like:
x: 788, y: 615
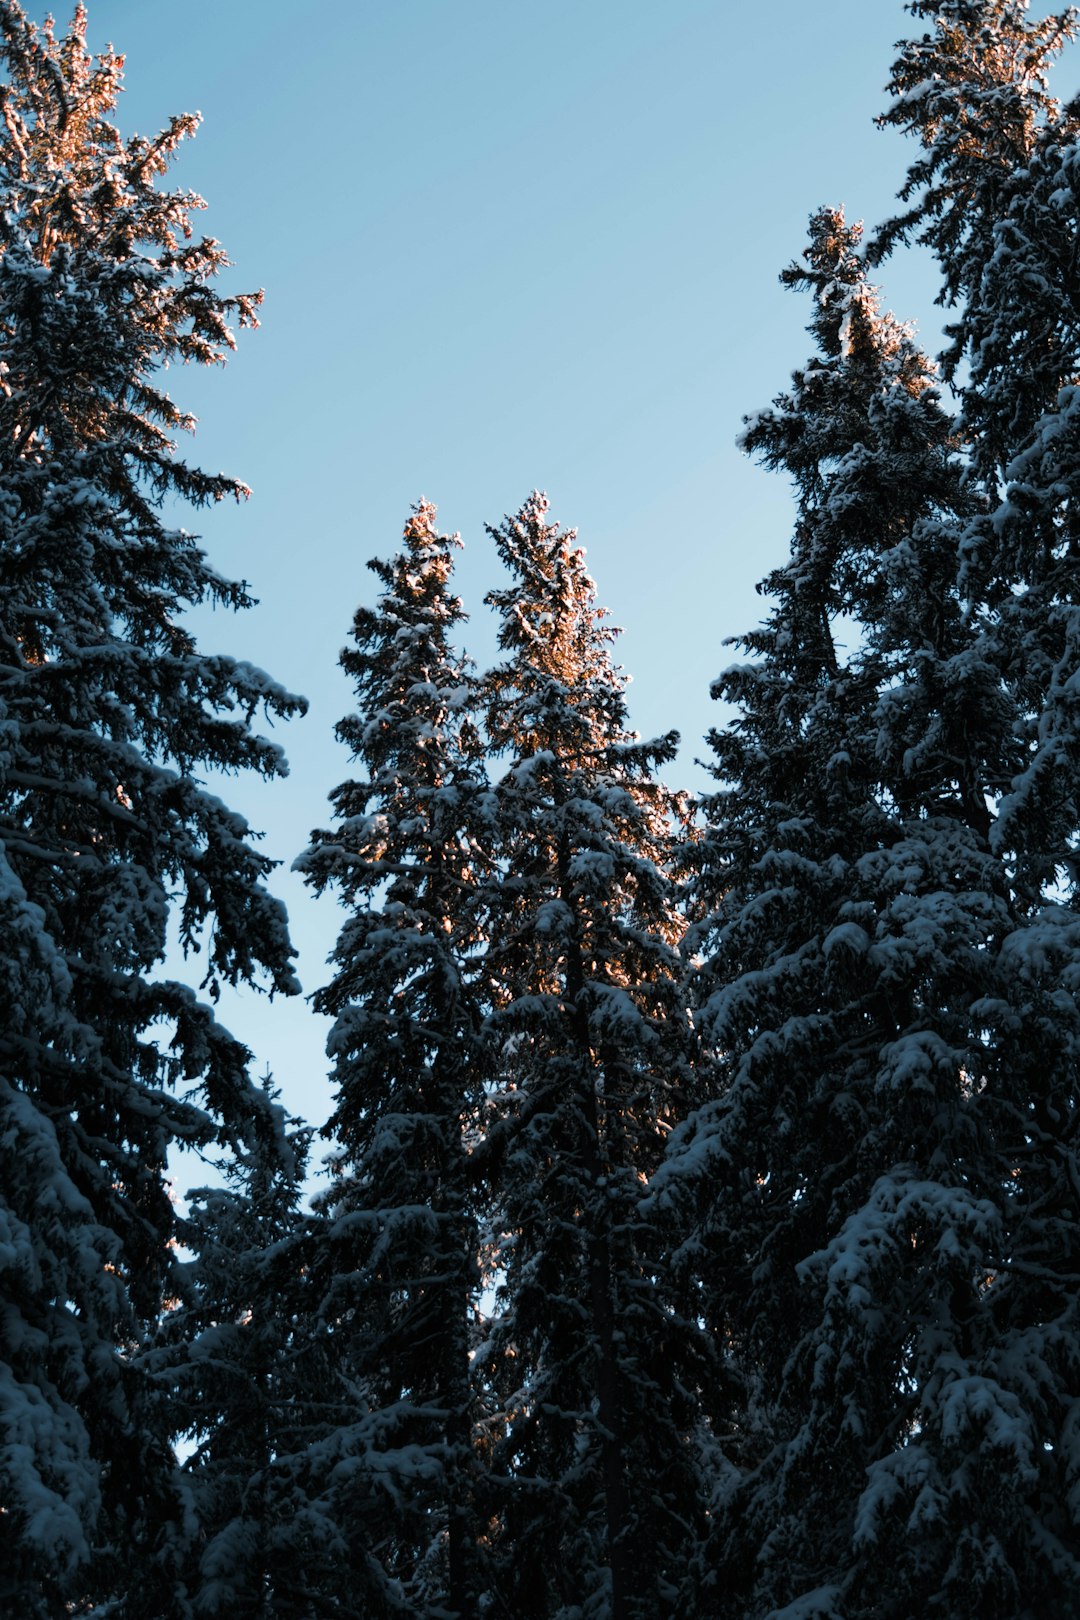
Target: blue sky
x: 503, y: 247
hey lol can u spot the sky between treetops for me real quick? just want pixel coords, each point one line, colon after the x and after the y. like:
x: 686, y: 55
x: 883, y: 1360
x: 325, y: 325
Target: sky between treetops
x: 504, y: 247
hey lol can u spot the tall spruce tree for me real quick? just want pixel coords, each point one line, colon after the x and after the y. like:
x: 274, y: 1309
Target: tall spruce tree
x: 106, y: 709
x: 994, y: 195
x: 1002, y: 212
x: 597, y: 1372
x: 893, y: 1274
x: 397, y: 1264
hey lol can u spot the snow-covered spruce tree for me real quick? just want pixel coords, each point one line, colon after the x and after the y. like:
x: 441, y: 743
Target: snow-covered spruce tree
x: 1011, y: 198
x: 975, y: 91
x: 397, y: 1266
x: 596, y: 1371
x: 893, y: 1291
x: 252, y: 1390
x: 106, y: 709
x: 994, y: 194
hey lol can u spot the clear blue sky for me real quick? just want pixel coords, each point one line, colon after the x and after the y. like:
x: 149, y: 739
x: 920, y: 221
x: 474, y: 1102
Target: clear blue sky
x: 503, y: 246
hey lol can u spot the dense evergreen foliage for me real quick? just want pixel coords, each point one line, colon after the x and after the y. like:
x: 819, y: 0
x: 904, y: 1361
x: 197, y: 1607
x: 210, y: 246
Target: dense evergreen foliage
x: 398, y: 1266
x: 868, y: 984
x: 592, y: 1364
x: 106, y: 709
x: 251, y: 1389
x: 701, y: 1229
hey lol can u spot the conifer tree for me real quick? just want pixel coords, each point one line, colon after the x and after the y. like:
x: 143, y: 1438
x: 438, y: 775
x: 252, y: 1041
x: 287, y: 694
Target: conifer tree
x: 596, y: 1370
x: 247, y: 1372
x: 889, y: 1269
x: 994, y: 195
x: 1008, y: 261
x: 975, y: 90
x: 107, y: 708
x: 397, y: 1263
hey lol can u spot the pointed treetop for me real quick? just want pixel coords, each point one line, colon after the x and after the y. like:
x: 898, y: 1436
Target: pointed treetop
x: 551, y: 605
x: 845, y: 303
